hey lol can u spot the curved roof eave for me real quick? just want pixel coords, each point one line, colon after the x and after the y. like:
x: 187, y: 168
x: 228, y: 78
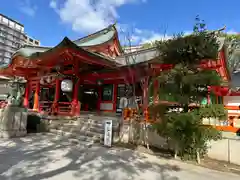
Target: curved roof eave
x: 101, y: 39
x: 30, y: 52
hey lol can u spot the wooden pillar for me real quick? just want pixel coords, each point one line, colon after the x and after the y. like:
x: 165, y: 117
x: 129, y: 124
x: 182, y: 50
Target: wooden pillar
x: 36, y: 97
x: 57, y: 95
x: 75, y: 110
x: 145, y: 97
x: 115, y: 87
x: 26, y: 97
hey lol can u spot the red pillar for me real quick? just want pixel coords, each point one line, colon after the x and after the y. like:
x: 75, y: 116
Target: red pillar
x: 26, y: 97
x: 115, y: 86
x: 36, y: 97
x: 57, y: 95
x: 75, y: 102
x: 145, y: 97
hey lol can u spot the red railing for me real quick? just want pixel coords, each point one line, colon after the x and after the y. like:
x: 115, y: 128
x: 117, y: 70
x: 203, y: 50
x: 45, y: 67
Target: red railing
x: 64, y: 108
x: 46, y: 106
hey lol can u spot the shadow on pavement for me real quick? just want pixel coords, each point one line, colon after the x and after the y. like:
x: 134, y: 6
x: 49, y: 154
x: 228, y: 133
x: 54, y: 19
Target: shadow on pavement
x: 38, y: 157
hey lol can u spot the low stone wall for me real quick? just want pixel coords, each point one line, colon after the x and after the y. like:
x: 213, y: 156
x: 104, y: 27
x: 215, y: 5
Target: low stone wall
x: 13, y: 122
x: 226, y: 149
x: 130, y: 132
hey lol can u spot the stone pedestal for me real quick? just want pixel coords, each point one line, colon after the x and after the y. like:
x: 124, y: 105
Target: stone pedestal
x: 13, y: 122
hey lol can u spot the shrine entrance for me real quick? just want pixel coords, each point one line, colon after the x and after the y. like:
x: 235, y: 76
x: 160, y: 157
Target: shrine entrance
x: 89, y: 97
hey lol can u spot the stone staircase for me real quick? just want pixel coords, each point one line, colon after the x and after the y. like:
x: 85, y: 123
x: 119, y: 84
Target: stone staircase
x: 87, y: 127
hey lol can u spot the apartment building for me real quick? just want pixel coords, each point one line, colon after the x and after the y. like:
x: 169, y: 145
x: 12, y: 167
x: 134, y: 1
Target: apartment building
x: 31, y: 41
x: 11, y: 37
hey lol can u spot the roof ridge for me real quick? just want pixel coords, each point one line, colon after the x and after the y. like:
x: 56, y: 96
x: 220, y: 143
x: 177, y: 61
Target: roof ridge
x: 91, y: 35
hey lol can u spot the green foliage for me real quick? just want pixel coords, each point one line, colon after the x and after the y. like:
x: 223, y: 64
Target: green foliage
x: 213, y: 110
x: 189, y: 49
x: 230, y: 37
x: 188, y: 84
x: 232, y: 44
x: 187, y: 133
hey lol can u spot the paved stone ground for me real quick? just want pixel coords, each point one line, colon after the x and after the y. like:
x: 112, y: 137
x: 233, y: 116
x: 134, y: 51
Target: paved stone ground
x: 39, y: 157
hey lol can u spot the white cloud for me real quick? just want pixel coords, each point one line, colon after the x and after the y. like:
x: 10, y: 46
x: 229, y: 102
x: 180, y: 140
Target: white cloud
x: 28, y: 8
x: 155, y: 36
x: 53, y: 4
x: 141, y: 36
x: 232, y: 32
x: 89, y: 15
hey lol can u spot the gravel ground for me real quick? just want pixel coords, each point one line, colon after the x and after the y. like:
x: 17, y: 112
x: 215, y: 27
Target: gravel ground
x: 39, y: 156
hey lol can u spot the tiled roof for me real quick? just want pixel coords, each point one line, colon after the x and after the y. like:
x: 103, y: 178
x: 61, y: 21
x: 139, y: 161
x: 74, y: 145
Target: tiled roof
x: 97, y: 38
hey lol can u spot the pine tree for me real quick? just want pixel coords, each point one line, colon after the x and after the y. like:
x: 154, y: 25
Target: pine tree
x: 187, y: 83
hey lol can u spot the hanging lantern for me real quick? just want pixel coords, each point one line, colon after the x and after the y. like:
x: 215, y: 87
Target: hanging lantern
x: 67, y: 85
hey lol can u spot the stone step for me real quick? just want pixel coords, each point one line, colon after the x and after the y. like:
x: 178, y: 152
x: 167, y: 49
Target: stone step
x: 96, y: 128
x: 76, y: 136
x: 93, y: 123
x: 88, y: 132
x: 81, y: 122
x: 100, y: 117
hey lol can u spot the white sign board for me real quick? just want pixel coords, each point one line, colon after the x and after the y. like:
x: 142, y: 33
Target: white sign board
x: 108, y: 133
x: 66, y: 85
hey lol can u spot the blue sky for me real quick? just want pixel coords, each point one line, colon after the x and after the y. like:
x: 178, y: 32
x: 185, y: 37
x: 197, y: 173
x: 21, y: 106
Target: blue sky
x: 142, y: 20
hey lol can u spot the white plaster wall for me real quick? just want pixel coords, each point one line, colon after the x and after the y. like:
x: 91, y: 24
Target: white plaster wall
x: 225, y: 150
x: 231, y: 100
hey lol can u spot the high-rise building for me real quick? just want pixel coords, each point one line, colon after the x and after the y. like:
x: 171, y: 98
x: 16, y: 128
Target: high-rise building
x: 11, y: 37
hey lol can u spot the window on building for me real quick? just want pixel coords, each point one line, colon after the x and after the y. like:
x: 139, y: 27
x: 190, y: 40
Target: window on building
x: 3, y: 34
x: 18, y: 27
x: 4, y: 20
x: 30, y: 39
x: 2, y: 29
x: 10, y: 37
x: 10, y: 31
x: 36, y: 42
x: 11, y: 24
x: 6, y: 60
x: 22, y: 29
x: 107, y: 92
x: 7, y: 54
x: 2, y: 39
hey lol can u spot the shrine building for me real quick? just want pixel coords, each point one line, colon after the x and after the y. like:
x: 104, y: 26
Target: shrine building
x: 92, y: 74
